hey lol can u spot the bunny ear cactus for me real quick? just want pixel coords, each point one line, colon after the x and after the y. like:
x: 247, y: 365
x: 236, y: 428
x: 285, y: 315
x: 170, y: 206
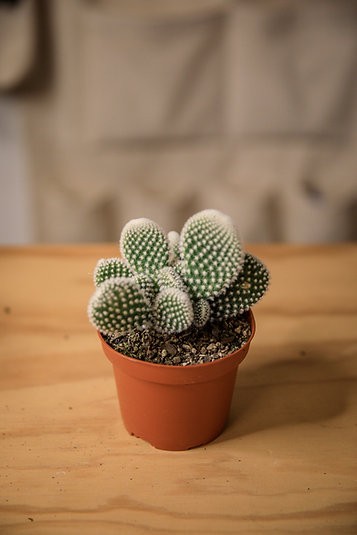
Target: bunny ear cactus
x: 170, y: 283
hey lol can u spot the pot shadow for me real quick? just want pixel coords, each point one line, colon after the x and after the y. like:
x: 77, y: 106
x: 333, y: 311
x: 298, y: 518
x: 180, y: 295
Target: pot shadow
x: 285, y: 392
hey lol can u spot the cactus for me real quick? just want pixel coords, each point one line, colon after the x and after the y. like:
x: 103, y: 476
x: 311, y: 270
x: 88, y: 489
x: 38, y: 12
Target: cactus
x: 249, y: 287
x: 170, y: 283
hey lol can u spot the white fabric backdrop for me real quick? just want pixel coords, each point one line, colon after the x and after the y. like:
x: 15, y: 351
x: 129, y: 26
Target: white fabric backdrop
x: 159, y: 109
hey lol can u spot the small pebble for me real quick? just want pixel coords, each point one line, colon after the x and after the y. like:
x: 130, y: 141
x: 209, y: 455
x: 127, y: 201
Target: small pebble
x: 171, y: 349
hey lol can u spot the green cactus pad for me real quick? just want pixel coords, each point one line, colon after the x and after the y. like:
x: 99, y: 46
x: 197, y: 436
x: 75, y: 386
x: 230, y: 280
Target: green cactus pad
x: 211, y: 253
x: 168, y: 277
x: 173, y: 311
x: 202, y: 312
x: 108, y: 268
x: 249, y: 287
x: 118, y: 306
x: 144, y: 245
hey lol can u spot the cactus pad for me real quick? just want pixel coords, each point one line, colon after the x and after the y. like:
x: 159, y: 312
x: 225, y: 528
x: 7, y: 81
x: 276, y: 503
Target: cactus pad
x: 146, y: 284
x: 118, y: 306
x: 211, y: 253
x: 249, y: 287
x: 168, y: 277
x: 144, y: 246
x: 173, y: 311
x: 107, y: 268
x: 202, y: 312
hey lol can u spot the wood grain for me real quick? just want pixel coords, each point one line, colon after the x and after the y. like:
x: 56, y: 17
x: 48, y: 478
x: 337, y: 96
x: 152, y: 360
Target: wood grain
x: 285, y: 464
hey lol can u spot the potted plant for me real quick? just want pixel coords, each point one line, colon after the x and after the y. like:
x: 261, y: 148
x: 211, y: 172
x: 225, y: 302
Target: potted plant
x: 173, y: 316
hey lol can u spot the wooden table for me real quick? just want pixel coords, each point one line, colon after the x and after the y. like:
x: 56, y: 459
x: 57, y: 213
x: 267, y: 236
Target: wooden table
x: 285, y: 464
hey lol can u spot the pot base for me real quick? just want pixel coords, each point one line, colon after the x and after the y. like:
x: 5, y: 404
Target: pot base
x: 169, y: 446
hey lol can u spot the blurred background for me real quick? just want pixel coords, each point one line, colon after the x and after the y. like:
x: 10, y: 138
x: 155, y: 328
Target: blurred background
x: 115, y: 109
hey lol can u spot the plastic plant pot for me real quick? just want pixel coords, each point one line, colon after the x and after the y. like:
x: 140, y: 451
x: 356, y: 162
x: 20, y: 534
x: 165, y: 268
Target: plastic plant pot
x: 176, y: 407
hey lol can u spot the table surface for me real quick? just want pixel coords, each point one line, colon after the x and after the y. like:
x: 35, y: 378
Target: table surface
x: 285, y: 463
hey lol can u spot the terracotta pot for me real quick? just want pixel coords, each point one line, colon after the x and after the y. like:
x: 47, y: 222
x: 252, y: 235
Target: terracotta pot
x: 176, y: 407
